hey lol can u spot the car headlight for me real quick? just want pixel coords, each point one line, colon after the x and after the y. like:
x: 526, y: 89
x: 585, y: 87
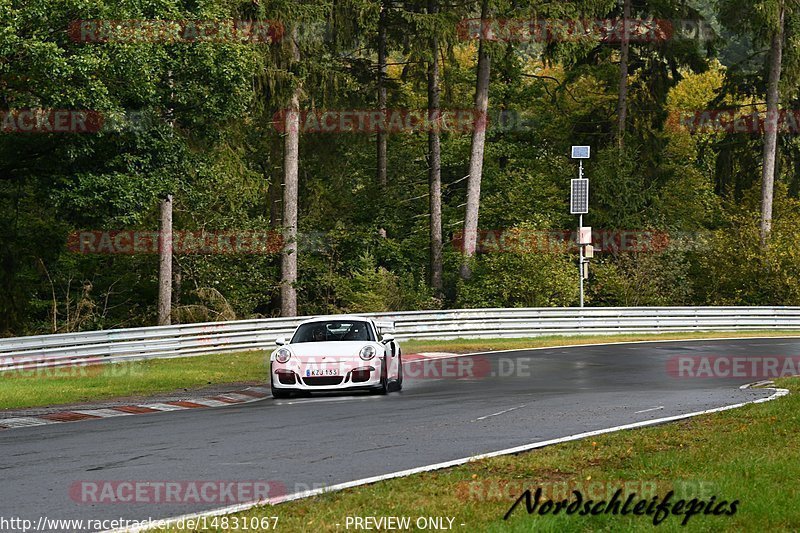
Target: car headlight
x: 282, y: 355
x: 367, y: 352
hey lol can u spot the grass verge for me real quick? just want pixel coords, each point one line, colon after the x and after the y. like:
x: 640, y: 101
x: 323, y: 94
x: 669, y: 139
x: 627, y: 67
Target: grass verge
x: 76, y: 384
x: 80, y: 383
x: 747, y: 454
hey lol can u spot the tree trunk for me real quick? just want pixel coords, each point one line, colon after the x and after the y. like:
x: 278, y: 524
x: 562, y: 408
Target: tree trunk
x: 771, y: 128
x: 275, y: 192
x: 382, y: 179
x: 290, y: 195
x: 435, y: 164
x: 622, y: 102
x: 165, y: 263
x: 177, y: 282
x: 476, y: 154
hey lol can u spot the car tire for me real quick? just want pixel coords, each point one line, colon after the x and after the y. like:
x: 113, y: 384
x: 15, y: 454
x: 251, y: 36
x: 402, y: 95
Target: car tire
x: 278, y: 394
x: 383, y: 388
x: 399, y: 383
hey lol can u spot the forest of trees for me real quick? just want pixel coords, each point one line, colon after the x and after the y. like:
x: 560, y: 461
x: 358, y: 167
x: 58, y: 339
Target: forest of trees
x: 258, y: 132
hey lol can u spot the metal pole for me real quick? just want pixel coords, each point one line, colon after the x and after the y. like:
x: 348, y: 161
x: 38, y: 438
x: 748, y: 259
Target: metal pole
x: 580, y: 248
x: 580, y: 225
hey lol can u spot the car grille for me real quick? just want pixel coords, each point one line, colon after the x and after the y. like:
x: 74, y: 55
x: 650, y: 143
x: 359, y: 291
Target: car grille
x: 322, y: 381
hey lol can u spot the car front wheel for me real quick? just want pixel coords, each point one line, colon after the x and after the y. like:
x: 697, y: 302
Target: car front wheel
x: 383, y: 388
x: 278, y: 393
x: 399, y: 383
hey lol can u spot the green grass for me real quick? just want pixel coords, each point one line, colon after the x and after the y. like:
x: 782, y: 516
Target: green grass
x: 139, y: 379
x: 74, y: 384
x: 748, y: 454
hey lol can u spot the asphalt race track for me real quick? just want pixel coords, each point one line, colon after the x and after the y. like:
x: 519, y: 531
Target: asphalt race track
x: 323, y: 440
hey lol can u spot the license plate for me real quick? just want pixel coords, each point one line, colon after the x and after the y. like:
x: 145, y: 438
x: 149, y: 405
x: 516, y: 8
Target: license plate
x: 322, y: 372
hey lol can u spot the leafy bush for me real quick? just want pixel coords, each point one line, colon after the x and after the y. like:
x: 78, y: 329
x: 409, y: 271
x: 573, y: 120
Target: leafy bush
x: 370, y: 288
x: 732, y: 268
x: 520, y: 279
x: 641, y: 279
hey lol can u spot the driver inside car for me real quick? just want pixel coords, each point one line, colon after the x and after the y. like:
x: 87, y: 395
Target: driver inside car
x: 319, y: 334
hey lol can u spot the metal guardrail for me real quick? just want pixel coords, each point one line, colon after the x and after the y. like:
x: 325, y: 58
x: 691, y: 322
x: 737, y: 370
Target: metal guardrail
x: 219, y: 337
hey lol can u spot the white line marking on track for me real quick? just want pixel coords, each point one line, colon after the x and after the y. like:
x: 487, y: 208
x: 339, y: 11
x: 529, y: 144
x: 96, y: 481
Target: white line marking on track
x: 500, y: 413
x: 456, y: 462
x: 648, y: 410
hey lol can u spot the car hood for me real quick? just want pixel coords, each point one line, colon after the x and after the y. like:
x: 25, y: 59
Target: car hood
x: 329, y: 350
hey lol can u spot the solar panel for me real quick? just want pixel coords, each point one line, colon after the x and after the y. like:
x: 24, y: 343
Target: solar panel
x: 579, y: 199
x: 580, y: 152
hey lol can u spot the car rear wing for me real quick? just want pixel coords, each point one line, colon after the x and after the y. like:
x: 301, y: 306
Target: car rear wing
x: 384, y: 326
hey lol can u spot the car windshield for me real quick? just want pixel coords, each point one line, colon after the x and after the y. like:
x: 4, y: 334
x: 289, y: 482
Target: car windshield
x: 334, y: 330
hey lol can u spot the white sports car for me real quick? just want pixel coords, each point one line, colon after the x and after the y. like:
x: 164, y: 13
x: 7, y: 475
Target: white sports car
x: 336, y: 353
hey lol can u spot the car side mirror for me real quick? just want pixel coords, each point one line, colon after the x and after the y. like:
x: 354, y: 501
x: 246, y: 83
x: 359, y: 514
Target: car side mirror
x: 280, y: 341
x: 387, y: 338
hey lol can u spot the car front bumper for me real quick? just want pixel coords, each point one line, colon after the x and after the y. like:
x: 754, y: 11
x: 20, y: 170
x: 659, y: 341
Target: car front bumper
x: 340, y: 375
